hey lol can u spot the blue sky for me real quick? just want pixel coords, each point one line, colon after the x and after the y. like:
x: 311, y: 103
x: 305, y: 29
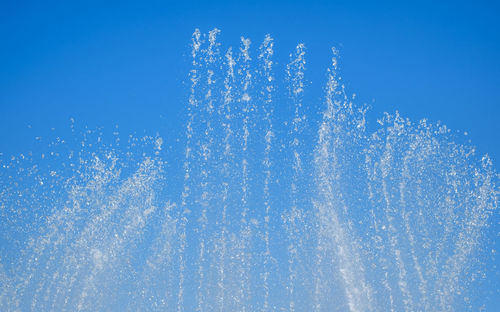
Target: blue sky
x: 125, y: 63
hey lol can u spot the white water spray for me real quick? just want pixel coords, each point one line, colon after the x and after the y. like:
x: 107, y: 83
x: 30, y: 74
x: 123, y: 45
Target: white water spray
x: 274, y: 211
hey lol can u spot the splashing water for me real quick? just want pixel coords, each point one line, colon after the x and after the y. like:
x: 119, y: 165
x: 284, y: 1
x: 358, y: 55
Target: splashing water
x: 272, y: 212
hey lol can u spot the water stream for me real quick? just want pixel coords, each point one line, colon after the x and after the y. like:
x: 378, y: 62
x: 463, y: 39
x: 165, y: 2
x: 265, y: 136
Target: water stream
x: 272, y: 211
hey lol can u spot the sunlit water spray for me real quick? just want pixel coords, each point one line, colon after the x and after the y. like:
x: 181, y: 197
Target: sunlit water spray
x: 270, y: 213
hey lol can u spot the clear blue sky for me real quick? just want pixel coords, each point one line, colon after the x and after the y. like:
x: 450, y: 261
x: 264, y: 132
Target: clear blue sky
x: 124, y: 63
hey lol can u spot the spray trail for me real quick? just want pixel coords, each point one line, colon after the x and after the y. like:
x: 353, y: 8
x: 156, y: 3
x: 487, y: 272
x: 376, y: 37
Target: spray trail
x: 331, y: 207
x: 184, y: 207
x: 206, y: 185
x: 266, y: 53
x: 244, y: 72
x: 295, y: 77
x: 226, y: 114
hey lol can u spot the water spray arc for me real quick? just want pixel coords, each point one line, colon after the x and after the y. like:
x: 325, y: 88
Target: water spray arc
x: 275, y: 211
